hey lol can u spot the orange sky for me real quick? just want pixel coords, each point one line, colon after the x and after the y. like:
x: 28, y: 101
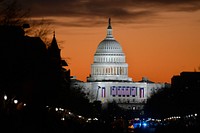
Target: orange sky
x: 157, y: 51
x: 160, y: 38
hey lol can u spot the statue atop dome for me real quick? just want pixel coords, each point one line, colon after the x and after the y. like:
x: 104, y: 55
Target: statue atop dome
x: 109, y: 23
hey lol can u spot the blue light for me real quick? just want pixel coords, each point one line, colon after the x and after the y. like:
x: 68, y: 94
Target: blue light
x: 144, y: 124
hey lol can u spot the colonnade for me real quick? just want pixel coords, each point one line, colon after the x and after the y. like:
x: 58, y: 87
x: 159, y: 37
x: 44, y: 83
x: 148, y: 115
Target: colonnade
x: 109, y: 59
x: 109, y: 70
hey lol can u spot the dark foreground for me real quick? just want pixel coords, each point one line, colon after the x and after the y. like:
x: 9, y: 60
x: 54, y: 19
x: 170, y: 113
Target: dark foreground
x: 47, y: 121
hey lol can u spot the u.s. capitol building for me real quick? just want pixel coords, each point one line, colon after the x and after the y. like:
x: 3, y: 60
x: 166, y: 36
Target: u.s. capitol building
x: 109, y: 79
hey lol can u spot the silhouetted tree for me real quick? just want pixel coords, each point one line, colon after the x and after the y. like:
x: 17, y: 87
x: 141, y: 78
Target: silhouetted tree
x: 160, y: 105
x: 78, y: 101
x: 13, y: 14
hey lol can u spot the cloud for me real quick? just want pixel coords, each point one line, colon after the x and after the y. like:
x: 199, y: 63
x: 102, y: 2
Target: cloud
x: 129, y: 10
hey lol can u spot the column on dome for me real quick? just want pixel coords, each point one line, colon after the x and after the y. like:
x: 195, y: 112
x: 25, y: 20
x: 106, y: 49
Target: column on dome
x: 118, y: 71
x: 112, y: 70
x: 100, y: 69
x: 94, y: 71
x: 124, y: 70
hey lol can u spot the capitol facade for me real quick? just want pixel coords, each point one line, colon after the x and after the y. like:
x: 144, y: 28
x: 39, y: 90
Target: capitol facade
x: 109, y: 81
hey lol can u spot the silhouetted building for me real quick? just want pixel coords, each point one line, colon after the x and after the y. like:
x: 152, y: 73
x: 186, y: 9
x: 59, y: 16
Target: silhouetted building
x: 185, y: 88
x: 23, y: 60
x: 56, y: 60
x: 29, y: 71
x: 31, y: 78
x: 186, y: 80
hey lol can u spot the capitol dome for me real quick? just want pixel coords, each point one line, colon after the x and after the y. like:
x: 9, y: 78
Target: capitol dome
x: 109, y: 60
x: 109, y: 45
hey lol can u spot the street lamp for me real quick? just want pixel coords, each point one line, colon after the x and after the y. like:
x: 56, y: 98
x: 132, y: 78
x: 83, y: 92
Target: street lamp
x: 5, y: 97
x: 97, y: 92
x: 15, y: 101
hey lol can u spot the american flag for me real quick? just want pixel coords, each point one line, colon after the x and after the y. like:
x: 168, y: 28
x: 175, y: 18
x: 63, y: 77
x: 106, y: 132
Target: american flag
x: 113, y: 90
x: 133, y: 91
x: 127, y: 91
x: 103, y: 92
x: 119, y: 92
x: 141, y: 92
x: 123, y: 90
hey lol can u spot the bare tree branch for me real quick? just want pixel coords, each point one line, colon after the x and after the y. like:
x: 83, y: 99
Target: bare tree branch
x: 11, y: 13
